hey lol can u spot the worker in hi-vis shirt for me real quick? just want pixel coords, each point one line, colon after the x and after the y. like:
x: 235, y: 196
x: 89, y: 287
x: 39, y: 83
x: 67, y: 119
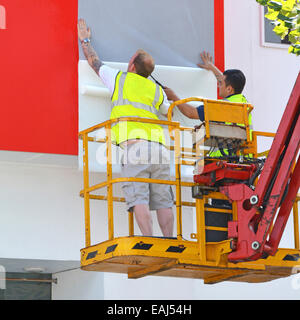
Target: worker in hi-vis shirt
x: 145, y: 154
x: 231, y: 84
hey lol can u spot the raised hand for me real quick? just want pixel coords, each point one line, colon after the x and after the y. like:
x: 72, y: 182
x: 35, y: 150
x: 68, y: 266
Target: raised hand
x: 83, y: 31
x: 207, y: 61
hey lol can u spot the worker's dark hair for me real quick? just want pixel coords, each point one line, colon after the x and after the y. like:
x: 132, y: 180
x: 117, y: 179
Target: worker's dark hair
x: 236, y: 79
x: 144, y: 64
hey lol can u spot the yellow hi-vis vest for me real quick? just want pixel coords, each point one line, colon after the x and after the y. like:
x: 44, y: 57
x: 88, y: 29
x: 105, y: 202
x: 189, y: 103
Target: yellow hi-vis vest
x: 240, y: 99
x: 136, y: 96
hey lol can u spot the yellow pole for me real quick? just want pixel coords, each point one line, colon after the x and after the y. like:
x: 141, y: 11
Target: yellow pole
x: 109, y: 183
x: 207, y: 129
x: 86, y: 194
x: 201, y: 229
x: 254, y: 137
x: 130, y: 223
x: 178, y: 183
x: 296, y: 224
x: 246, y: 121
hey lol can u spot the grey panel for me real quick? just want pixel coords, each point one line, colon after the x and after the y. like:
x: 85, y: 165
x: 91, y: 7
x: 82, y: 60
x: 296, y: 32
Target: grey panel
x: 174, y: 32
x: 26, y: 290
x: 270, y: 36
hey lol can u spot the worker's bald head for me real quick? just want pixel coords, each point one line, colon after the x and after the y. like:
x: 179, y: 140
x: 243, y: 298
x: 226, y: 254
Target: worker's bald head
x: 143, y: 63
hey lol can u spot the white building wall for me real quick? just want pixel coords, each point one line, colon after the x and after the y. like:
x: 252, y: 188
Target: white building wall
x: 42, y: 212
x: 78, y: 285
x: 42, y: 221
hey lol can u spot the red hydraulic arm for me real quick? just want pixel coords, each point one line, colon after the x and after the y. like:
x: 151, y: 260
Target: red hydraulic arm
x: 276, y: 188
x: 221, y: 170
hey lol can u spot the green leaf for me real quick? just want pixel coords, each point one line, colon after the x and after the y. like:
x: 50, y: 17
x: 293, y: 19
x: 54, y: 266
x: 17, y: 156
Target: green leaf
x: 275, y: 5
x: 295, y: 33
x: 262, y: 2
x: 292, y: 38
x: 288, y: 5
x: 272, y: 15
x: 293, y: 13
x: 281, y: 30
x: 289, y: 25
x: 284, y: 18
x: 296, y: 45
x: 294, y: 49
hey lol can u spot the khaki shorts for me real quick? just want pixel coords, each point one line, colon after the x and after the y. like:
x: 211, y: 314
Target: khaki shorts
x: 146, y: 160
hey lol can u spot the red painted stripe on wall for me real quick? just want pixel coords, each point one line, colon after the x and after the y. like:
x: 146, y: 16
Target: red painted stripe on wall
x: 219, y: 34
x: 38, y: 77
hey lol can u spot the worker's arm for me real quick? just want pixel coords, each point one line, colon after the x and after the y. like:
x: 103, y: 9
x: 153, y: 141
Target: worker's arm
x: 209, y: 65
x: 184, y: 108
x: 85, y: 33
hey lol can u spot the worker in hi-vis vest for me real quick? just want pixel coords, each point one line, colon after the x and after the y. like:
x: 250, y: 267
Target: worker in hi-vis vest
x: 231, y: 84
x: 145, y: 154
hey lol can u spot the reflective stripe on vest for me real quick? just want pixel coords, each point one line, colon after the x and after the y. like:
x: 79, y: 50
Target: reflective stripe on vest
x: 136, y: 96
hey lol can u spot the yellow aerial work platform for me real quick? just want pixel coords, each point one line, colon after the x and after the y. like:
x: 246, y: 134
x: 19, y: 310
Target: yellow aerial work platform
x: 204, y: 256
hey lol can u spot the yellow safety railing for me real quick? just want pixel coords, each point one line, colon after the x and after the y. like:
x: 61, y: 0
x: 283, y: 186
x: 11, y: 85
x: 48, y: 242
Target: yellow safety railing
x: 88, y: 189
x: 180, y: 156
x: 253, y: 148
x: 219, y: 111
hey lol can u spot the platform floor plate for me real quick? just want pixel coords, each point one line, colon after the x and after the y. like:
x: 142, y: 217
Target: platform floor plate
x: 143, y: 256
